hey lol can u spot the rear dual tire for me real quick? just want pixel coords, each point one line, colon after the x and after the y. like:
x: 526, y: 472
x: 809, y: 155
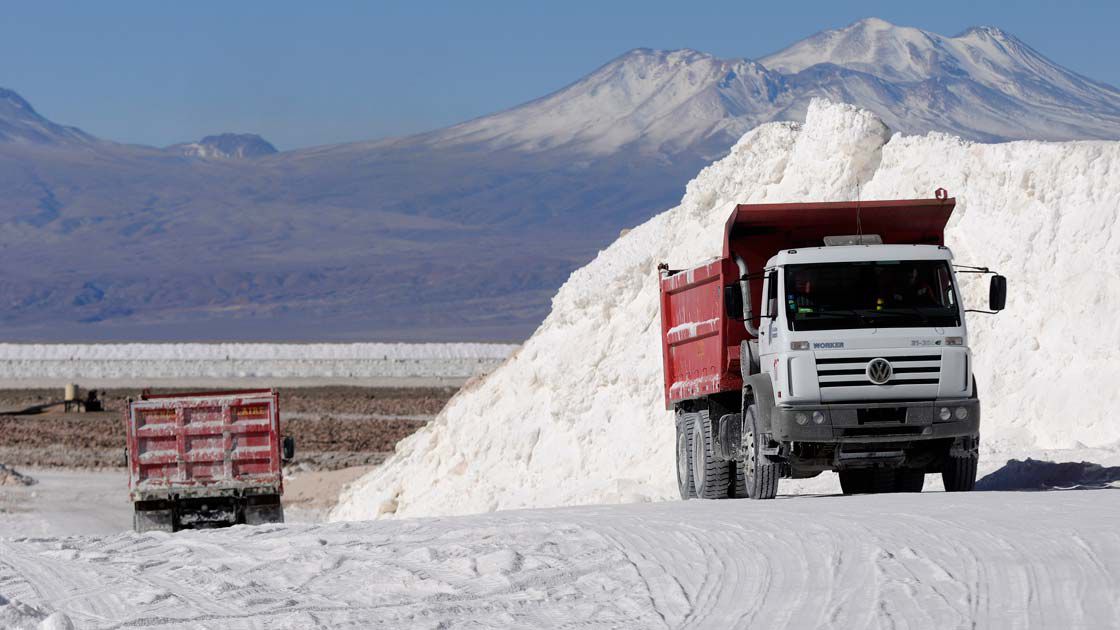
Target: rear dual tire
x: 701, y: 475
x: 711, y: 478
x: 684, y: 456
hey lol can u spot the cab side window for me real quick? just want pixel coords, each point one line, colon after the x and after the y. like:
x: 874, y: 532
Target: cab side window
x: 772, y: 294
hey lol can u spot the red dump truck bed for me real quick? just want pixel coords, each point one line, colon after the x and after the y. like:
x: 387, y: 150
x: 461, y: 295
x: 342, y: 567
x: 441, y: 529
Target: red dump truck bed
x: 204, y: 444
x: 700, y: 343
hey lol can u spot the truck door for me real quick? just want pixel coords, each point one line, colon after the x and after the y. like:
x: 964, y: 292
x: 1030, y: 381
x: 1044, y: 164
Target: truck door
x: 769, y: 330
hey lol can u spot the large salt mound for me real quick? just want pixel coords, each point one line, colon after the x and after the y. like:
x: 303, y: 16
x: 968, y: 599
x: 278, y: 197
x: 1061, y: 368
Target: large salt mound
x: 576, y: 416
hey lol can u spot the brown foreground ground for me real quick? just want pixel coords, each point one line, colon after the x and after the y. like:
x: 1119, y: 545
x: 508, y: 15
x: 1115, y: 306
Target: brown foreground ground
x: 334, y: 427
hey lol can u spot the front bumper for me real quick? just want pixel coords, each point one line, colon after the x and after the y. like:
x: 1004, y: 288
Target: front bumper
x: 870, y: 422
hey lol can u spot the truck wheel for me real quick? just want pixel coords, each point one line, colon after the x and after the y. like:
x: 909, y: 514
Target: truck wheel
x: 145, y: 520
x: 263, y: 510
x: 909, y: 480
x: 760, y: 475
x: 740, y: 476
x: 684, y: 456
x: 854, y: 481
x: 710, y: 477
x: 959, y: 474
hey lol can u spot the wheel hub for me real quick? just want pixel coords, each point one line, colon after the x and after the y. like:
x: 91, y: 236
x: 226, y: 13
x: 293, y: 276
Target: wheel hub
x: 751, y: 459
x: 752, y: 462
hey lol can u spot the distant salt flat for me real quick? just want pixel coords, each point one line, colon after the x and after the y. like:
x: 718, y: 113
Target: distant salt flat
x: 189, y: 364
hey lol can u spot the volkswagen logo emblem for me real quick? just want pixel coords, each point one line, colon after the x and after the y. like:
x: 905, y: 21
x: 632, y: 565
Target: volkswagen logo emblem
x: 879, y: 371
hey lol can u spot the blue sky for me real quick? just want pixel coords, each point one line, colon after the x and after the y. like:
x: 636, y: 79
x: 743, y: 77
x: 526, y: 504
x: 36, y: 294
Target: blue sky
x: 302, y: 73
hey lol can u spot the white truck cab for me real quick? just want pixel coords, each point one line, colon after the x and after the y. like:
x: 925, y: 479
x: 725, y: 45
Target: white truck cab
x: 866, y: 351
x: 829, y: 309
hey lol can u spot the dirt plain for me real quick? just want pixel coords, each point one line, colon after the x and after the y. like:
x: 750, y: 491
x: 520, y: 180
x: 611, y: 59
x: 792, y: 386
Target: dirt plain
x: 334, y: 427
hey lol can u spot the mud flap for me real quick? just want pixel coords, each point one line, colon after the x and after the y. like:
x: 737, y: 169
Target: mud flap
x: 762, y: 391
x: 727, y: 439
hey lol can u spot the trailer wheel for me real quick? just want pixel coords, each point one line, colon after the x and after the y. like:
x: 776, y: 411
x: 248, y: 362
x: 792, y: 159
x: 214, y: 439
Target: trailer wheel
x: 684, y: 456
x: 959, y: 474
x: 760, y: 475
x: 710, y: 477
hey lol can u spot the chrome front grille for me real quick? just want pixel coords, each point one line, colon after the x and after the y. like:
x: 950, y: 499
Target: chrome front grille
x: 907, y: 369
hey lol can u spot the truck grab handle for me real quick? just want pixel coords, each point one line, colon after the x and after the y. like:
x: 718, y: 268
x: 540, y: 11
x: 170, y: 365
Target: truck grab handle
x: 745, y: 287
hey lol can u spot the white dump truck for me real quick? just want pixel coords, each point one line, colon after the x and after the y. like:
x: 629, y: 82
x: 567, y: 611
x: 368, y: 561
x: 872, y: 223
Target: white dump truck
x: 829, y: 336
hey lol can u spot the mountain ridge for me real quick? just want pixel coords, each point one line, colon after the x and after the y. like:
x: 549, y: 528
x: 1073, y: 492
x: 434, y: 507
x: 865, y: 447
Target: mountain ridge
x: 463, y: 232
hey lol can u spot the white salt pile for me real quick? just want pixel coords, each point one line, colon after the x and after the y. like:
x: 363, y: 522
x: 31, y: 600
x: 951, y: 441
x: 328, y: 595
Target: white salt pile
x: 26, y: 362
x: 577, y: 415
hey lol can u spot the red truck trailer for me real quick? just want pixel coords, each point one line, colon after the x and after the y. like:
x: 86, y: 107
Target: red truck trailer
x: 828, y: 336
x: 205, y: 459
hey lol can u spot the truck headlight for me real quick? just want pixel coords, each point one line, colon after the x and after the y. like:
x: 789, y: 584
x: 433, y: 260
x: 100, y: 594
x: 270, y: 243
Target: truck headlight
x: 954, y: 341
x: 799, y: 345
x: 818, y: 417
x: 801, y: 418
x: 960, y: 413
x: 945, y: 414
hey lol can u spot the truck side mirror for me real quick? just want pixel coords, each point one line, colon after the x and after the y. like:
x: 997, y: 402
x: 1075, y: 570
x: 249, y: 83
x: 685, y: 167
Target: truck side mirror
x: 733, y: 301
x: 997, y: 293
x: 289, y: 448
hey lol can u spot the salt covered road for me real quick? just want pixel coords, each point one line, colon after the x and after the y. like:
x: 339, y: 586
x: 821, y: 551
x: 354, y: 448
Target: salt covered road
x: 935, y: 560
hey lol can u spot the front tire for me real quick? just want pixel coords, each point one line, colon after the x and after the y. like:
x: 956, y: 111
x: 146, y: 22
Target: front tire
x: 760, y: 475
x: 959, y: 474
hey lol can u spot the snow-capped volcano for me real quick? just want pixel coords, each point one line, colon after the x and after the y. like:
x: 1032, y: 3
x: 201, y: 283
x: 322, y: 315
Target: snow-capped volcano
x: 982, y: 84
x: 651, y: 100
x: 901, y: 53
x: 227, y: 146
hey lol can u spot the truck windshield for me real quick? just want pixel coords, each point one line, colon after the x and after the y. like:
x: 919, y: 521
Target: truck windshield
x: 871, y: 294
